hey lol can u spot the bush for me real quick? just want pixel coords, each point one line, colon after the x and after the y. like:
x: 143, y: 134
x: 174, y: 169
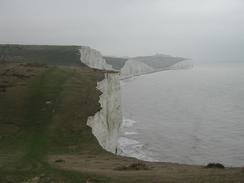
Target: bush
x: 215, y: 165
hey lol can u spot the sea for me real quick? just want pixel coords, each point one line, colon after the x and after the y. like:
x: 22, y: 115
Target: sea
x: 192, y: 116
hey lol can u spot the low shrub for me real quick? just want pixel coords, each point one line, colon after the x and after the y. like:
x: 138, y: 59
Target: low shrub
x: 215, y: 165
x: 134, y: 166
x: 59, y: 161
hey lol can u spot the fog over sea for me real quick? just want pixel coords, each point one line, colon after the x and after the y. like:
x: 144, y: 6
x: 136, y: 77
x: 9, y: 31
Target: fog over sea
x: 193, y: 116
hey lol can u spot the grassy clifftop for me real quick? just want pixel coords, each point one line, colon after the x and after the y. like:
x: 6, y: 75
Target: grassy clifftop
x: 52, y: 55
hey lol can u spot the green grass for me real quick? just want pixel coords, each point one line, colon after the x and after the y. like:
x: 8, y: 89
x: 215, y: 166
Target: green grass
x: 50, y: 113
x: 52, y: 55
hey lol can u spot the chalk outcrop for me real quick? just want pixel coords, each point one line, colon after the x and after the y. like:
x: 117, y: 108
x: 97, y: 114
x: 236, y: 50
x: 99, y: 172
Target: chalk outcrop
x: 93, y: 59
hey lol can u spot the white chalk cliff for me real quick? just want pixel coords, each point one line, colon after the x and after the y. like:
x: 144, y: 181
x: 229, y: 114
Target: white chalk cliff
x: 134, y: 68
x: 105, y: 123
x: 93, y: 59
x: 148, y: 64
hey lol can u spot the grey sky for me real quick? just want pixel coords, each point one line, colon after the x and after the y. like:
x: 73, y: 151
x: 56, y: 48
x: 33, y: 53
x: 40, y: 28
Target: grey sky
x: 205, y: 30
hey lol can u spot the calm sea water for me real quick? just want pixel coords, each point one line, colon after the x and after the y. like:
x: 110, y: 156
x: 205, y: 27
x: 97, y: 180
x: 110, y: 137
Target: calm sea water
x: 191, y: 116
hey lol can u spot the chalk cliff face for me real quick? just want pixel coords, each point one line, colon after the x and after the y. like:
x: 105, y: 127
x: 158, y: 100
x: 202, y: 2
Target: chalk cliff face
x: 93, y: 58
x: 134, y: 68
x: 106, y: 123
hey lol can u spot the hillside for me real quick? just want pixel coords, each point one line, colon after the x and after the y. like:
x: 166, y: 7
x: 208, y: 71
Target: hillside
x: 44, y: 111
x: 44, y: 137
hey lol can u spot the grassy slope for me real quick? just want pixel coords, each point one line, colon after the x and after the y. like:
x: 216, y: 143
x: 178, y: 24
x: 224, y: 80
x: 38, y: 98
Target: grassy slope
x: 31, y: 128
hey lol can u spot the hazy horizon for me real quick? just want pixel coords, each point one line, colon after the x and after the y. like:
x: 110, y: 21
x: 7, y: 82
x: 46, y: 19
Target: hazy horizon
x: 206, y: 31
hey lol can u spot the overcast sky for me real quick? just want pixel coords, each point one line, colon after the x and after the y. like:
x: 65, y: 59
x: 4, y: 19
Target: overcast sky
x: 204, y: 30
